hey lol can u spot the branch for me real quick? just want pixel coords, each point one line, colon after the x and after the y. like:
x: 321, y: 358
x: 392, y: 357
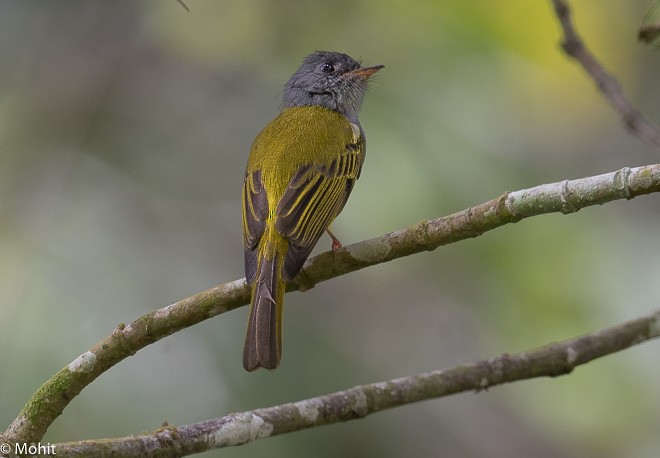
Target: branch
x: 566, y: 197
x: 607, y: 84
x: 239, y: 428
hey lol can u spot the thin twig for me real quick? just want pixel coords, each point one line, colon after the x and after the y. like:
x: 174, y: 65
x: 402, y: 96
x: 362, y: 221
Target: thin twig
x: 239, y: 428
x: 184, y: 5
x: 608, y: 85
x: 566, y: 197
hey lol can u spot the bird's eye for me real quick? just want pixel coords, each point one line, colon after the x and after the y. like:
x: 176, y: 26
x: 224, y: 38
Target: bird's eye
x: 327, y: 68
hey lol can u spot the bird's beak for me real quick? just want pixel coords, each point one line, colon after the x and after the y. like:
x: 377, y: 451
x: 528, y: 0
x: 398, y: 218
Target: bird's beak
x: 364, y: 73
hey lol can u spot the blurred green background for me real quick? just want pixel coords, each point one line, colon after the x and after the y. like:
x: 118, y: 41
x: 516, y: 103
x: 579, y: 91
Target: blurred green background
x: 124, y: 129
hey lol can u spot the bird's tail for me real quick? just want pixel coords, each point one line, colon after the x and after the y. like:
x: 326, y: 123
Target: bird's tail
x: 263, y: 340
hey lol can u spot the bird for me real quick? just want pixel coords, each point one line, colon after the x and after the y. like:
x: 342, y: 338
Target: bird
x: 300, y: 171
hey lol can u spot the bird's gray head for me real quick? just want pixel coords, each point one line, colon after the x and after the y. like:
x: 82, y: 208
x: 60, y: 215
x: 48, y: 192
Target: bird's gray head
x: 329, y: 79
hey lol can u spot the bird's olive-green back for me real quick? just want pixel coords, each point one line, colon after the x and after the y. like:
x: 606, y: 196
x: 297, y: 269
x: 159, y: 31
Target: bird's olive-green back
x: 297, y: 136
x: 300, y: 171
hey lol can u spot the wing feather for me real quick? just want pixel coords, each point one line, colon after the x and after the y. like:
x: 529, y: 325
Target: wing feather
x: 313, y: 198
x: 255, y: 212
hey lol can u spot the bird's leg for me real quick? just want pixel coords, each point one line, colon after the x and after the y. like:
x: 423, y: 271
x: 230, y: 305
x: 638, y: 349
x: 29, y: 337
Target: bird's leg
x: 336, y: 244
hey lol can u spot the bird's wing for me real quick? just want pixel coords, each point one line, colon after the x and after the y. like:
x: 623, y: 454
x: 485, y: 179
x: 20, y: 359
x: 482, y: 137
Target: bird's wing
x: 255, y: 213
x: 313, y: 198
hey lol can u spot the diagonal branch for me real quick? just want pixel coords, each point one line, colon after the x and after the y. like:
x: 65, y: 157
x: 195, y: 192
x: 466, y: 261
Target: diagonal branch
x: 566, y: 197
x: 607, y: 84
x: 239, y: 428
